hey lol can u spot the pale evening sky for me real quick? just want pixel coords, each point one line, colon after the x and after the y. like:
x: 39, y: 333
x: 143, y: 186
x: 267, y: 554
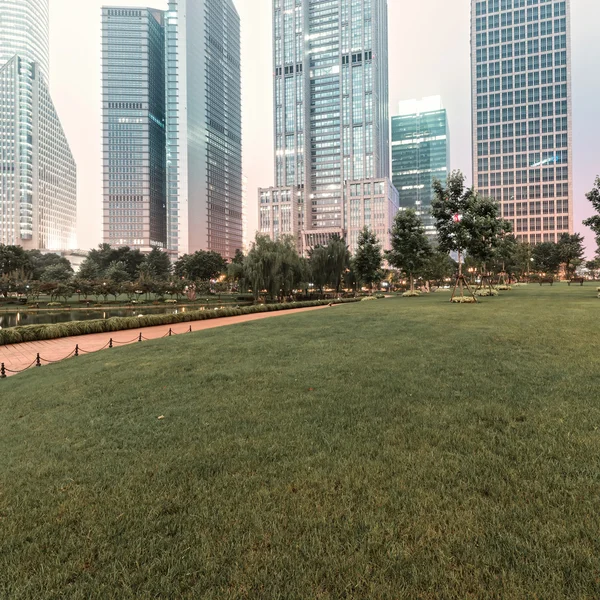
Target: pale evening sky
x: 428, y: 55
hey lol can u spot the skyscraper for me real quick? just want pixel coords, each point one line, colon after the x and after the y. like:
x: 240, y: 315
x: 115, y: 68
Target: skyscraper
x: 420, y: 154
x: 38, y: 186
x: 204, y: 127
x: 522, y: 151
x: 331, y: 121
x: 134, y: 140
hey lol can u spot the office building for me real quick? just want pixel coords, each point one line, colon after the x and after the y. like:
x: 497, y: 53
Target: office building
x: 331, y: 122
x: 134, y: 139
x: 38, y: 180
x: 204, y: 127
x: 522, y: 118
x: 420, y: 154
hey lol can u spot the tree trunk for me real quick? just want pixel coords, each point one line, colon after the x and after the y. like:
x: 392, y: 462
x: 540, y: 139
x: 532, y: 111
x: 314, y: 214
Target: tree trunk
x: 412, y: 282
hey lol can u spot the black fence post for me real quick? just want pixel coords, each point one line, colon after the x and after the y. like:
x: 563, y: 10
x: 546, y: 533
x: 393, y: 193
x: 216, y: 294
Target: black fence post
x: 140, y: 338
x: 110, y: 343
x: 2, y: 371
x: 76, y: 349
x: 190, y: 331
x: 170, y: 332
x: 38, y: 362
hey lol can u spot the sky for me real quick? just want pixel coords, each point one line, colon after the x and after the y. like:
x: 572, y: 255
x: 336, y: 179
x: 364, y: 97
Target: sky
x: 428, y: 55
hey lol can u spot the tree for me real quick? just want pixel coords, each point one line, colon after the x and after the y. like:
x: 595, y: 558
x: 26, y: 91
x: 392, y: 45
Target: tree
x: 410, y: 246
x: 438, y: 267
x: 339, y: 258
x: 546, y: 258
x: 318, y: 261
x: 158, y: 264
x: 200, y: 266
x: 368, y: 258
x: 40, y: 262
x: 523, y: 257
x: 59, y: 273
x: 505, y: 256
x: 88, y: 270
x: 14, y: 259
x: 452, y: 210
x: 594, y: 222
x: 486, y: 230
x: 570, y: 251
x: 593, y: 266
x: 117, y: 273
x: 105, y: 255
x: 273, y: 266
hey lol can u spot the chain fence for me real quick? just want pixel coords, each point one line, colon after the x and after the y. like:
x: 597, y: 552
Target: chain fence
x: 78, y: 351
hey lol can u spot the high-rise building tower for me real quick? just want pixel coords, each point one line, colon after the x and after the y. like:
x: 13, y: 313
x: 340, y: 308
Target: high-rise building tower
x: 38, y: 186
x: 204, y: 127
x: 521, y: 85
x: 331, y: 122
x: 134, y: 140
x: 420, y: 154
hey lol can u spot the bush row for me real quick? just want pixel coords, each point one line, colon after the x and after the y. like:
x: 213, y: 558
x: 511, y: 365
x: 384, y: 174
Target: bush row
x: 32, y: 333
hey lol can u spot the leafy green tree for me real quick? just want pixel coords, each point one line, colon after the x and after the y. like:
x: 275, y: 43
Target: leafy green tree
x: 368, y: 258
x: 117, y: 273
x: 570, y: 251
x: 593, y: 266
x: 318, y: 260
x: 410, y: 246
x: 89, y: 270
x: 105, y: 255
x: 339, y: 259
x: 59, y: 273
x: 546, y: 258
x: 40, y: 262
x: 14, y: 259
x: 158, y: 264
x: 200, y: 266
x: 273, y: 266
x: 594, y: 222
x: 451, y: 209
x: 438, y: 266
x: 505, y: 256
x: 523, y: 258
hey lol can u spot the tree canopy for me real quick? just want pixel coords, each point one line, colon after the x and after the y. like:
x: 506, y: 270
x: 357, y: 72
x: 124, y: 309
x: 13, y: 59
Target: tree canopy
x: 368, y: 258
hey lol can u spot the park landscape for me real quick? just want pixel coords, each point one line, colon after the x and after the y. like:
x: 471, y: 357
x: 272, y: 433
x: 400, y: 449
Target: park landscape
x: 404, y: 447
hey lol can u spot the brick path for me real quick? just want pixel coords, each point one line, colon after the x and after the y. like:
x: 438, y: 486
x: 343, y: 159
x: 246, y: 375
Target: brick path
x: 19, y: 356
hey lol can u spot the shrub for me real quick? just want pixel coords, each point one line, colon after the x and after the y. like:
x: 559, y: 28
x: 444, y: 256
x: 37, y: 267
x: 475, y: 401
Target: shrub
x: 365, y: 298
x: 32, y: 333
x: 463, y: 300
x: 412, y: 294
x: 53, y: 304
x: 379, y: 296
x: 486, y: 292
x: 170, y: 301
x: 504, y: 288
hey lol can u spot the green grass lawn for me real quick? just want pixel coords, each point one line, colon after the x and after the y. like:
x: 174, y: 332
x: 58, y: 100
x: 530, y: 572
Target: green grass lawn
x: 401, y: 448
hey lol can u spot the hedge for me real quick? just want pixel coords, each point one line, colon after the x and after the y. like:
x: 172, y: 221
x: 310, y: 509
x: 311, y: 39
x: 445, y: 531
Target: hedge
x: 33, y: 333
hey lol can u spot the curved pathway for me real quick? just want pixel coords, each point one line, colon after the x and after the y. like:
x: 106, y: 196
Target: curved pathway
x: 17, y: 357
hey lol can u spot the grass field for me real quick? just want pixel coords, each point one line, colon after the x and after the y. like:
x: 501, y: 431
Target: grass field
x: 401, y: 448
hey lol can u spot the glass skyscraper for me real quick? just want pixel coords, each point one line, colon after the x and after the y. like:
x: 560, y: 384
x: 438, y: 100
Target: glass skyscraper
x: 420, y: 154
x: 38, y: 187
x: 522, y: 123
x: 204, y: 127
x: 134, y: 140
x: 331, y: 122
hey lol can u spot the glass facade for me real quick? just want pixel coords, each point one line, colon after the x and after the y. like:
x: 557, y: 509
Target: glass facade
x: 134, y: 141
x: 204, y: 127
x: 330, y: 104
x: 522, y: 117
x: 38, y: 187
x: 420, y: 154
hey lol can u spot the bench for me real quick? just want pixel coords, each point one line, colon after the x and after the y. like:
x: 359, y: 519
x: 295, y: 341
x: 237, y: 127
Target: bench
x: 549, y: 280
x: 578, y: 280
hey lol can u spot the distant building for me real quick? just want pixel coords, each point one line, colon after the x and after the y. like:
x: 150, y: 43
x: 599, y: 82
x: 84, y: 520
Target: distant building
x: 133, y: 116
x: 522, y: 113
x: 204, y: 127
x: 38, y: 175
x: 331, y: 122
x: 420, y: 154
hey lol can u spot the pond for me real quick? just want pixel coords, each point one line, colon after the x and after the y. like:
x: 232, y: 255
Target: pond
x: 25, y: 317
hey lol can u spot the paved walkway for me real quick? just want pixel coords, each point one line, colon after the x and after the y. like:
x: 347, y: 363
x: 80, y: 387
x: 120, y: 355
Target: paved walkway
x: 17, y: 357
